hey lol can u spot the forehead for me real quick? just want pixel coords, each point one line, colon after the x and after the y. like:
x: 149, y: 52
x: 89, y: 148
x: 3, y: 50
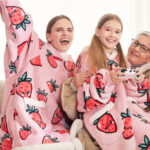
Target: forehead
x: 143, y: 39
x: 113, y: 24
x: 64, y: 23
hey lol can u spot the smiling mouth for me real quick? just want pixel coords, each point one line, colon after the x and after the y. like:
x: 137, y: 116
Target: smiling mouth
x: 134, y: 54
x: 64, y: 41
x: 110, y: 41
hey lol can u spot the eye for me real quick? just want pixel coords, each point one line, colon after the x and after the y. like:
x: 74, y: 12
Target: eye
x: 70, y: 30
x: 118, y: 32
x: 59, y: 29
x: 136, y: 43
x: 107, y: 29
x: 144, y: 48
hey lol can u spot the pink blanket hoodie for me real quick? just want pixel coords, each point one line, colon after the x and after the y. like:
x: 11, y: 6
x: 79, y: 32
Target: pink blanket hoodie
x: 114, y: 114
x: 35, y: 71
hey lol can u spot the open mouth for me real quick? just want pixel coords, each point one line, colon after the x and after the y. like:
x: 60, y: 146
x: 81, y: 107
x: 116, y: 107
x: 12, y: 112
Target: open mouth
x: 111, y: 41
x: 64, y: 41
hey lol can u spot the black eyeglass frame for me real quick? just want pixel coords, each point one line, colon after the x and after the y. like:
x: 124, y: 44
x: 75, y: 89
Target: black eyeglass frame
x: 143, y: 48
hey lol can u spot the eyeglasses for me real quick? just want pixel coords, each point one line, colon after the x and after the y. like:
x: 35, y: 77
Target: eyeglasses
x: 143, y: 48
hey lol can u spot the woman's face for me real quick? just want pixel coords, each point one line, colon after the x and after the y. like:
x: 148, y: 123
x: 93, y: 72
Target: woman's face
x: 109, y: 34
x: 61, y: 35
x: 135, y: 55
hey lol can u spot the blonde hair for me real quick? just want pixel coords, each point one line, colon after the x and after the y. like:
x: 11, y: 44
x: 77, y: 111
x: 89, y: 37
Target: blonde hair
x: 96, y: 54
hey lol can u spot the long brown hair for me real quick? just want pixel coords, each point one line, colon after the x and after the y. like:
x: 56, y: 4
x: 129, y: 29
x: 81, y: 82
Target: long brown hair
x: 97, y: 57
x: 53, y: 21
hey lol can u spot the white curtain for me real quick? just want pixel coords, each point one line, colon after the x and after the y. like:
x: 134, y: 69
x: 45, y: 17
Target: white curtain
x: 85, y: 14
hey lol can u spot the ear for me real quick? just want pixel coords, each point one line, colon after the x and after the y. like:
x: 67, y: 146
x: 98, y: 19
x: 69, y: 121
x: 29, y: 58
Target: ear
x: 48, y: 37
x: 97, y: 32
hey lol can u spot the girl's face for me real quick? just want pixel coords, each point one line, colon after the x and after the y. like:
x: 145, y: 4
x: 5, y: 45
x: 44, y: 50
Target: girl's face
x: 109, y: 34
x: 136, y: 56
x: 61, y: 35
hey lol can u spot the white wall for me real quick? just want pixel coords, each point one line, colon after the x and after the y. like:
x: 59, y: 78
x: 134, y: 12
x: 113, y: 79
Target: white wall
x: 84, y: 15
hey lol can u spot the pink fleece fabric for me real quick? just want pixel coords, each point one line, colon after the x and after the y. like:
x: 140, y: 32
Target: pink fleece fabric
x: 35, y: 71
x: 114, y: 114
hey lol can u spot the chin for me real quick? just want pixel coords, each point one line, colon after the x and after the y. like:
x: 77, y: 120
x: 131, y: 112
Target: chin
x: 63, y: 50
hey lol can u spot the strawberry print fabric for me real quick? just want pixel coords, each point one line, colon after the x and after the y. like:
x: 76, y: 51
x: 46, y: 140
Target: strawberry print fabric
x: 114, y: 114
x: 35, y: 71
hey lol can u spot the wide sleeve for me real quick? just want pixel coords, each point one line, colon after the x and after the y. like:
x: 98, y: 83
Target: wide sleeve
x: 18, y: 25
x: 138, y: 91
x: 98, y: 91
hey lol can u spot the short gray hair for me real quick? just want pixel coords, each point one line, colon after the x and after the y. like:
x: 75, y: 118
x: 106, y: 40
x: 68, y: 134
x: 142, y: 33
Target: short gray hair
x: 146, y: 33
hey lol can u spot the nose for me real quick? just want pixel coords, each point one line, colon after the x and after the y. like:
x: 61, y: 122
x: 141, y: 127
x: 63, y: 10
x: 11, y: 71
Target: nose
x: 137, y: 48
x: 112, y: 33
x: 65, y: 32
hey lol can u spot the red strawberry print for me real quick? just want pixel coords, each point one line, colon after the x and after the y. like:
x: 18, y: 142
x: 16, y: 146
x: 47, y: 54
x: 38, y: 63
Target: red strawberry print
x: 146, y: 144
x: 15, y: 114
x: 13, y: 91
x: 51, y: 59
x: 69, y: 65
x: 36, y: 61
x: 58, y: 116
x: 106, y: 123
x: 6, y: 142
x: 128, y: 131
x: 112, y: 98
x: 24, y: 87
x: 88, y: 80
x: 57, y: 58
x: 47, y: 139
x: 52, y: 85
x: 25, y: 132
x: 98, y: 81
x: 70, y: 74
x: 90, y: 103
x: 34, y: 113
x: 20, y: 48
x: 127, y: 122
x: 41, y: 44
x: 18, y: 17
x: 144, y: 86
x: 4, y: 124
x: 126, y: 119
x: 41, y: 95
x: 62, y: 131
